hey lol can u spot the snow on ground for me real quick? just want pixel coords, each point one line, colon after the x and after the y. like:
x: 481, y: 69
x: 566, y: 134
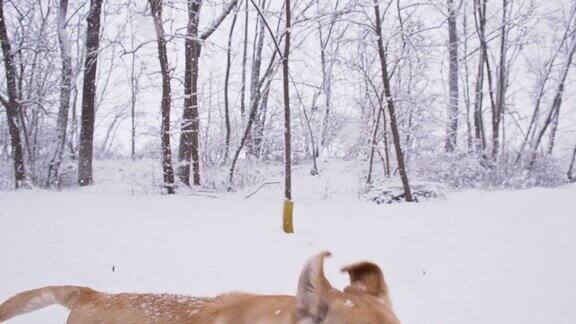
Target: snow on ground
x: 474, y: 257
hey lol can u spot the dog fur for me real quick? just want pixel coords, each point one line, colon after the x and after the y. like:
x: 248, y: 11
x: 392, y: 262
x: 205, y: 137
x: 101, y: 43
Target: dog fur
x: 366, y: 300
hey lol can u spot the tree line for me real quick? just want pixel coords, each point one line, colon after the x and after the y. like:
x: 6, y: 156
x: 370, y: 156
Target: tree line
x: 445, y: 79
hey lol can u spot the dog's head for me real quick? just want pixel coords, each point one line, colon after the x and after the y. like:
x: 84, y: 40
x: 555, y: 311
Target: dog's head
x: 365, y: 300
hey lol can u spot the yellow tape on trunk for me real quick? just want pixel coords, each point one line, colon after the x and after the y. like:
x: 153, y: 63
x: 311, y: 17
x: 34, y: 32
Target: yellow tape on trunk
x: 287, y: 216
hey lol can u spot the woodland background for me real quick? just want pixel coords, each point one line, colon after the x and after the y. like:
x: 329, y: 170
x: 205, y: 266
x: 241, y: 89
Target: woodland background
x: 483, y: 91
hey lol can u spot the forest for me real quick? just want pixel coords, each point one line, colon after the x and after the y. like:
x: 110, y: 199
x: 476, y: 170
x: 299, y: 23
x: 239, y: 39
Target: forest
x: 465, y: 93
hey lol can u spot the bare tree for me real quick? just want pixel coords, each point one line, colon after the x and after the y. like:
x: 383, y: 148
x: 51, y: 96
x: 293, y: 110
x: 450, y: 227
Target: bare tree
x: 89, y: 94
x: 541, y: 85
x: 226, y: 85
x: 134, y: 79
x: 253, y: 140
x: 498, y: 110
x: 251, y: 116
x: 65, y: 92
x: 390, y: 104
x: 190, y: 123
x: 168, y: 173
x: 373, y: 146
x: 188, y: 150
x: 244, y: 61
x: 325, y: 39
x: 557, y: 101
x: 452, y: 130
x: 480, y: 19
x: 12, y: 105
x: 466, y: 86
x: 288, y: 203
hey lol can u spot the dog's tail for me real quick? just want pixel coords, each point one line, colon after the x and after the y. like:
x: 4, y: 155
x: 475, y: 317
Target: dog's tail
x: 28, y: 301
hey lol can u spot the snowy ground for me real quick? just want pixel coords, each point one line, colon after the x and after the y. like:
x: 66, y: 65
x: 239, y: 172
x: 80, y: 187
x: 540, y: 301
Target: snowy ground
x: 474, y: 257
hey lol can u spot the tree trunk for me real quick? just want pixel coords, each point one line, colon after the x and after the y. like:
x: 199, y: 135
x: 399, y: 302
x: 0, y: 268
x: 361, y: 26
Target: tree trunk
x: 480, y: 17
x: 553, y: 129
x: 452, y: 130
x: 12, y: 105
x: 168, y: 172
x: 65, y: 91
x: 188, y: 149
x: 89, y: 94
x: 288, y: 204
x: 373, y: 147
x: 501, y: 91
x: 134, y: 90
x: 571, y: 176
x: 390, y: 104
x: 260, y: 121
x: 226, y: 86
x: 188, y: 152
x: 244, y: 63
x: 327, y: 88
x: 467, y: 81
x: 386, y: 147
x: 253, y: 148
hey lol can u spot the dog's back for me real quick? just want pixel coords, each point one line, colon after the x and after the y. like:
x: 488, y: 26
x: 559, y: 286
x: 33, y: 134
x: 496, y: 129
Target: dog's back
x: 365, y: 301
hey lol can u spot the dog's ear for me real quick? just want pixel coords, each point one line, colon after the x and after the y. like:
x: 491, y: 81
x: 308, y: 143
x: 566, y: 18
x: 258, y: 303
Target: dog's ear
x: 313, y: 288
x: 366, y: 277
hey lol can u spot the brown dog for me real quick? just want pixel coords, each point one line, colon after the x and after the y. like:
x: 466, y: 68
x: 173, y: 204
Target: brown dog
x: 365, y: 301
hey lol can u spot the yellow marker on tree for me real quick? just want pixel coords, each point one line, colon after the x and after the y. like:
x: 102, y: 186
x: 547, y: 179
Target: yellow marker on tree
x: 287, y: 216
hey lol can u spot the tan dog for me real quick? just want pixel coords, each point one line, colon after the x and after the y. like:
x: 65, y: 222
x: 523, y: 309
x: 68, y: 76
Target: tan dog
x: 365, y: 301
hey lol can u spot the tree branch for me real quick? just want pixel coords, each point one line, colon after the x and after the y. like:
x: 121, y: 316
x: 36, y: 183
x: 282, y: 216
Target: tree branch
x: 4, y: 102
x: 208, y: 32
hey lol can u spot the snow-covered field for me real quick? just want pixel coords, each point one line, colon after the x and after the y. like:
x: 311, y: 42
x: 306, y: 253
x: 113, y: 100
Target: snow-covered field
x: 473, y: 257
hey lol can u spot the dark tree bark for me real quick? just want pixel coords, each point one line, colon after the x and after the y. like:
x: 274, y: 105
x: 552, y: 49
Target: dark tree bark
x: 168, y: 172
x: 452, y: 130
x: 288, y: 204
x: 390, y: 104
x: 12, y: 105
x: 65, y: 91
x: 188, y: 150
x: 89, y: 94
